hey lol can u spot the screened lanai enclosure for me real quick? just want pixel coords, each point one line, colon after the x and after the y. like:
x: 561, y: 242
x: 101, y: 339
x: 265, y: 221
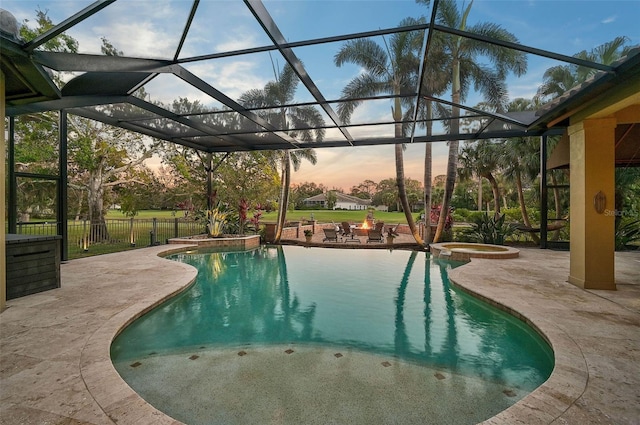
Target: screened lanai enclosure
x: 369, y: 73
x: 191, y: 55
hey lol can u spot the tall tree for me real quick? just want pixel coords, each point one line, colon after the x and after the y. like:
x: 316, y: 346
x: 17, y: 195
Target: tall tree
x: 482, y: 159
x: 465, y: 57
x: 103, y: 157
x: 559, y: 79
x: 239, y: 175
x: 274, y: 104
x: 99, y: 156
x: 386, y: 193
x: 521, y: 159
x: 391, y: 69
x: 365, y: 189
x: 434, y: 83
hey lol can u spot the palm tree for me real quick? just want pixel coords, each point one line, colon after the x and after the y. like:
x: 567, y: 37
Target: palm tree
x: 466, y: 69
x: 276, y: 98
x: 481, y: 159
x: 434, y: 83
x: 521, y: 158
x: 560, y: 79
x: 388, y: 70
x: 557, y: 80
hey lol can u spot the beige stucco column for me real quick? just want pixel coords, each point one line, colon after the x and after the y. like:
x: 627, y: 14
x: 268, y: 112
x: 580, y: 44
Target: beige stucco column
x: 3, y: 255
x: 592, y: 155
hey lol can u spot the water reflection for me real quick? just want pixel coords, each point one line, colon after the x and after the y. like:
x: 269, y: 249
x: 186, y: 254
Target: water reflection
x: 342, y: 297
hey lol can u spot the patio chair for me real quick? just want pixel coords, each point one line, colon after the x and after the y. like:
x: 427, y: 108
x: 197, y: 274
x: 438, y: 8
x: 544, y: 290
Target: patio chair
x: 374, y: 236
x: 330, y: 235
x: 380, y: 226
x: 348, y: 234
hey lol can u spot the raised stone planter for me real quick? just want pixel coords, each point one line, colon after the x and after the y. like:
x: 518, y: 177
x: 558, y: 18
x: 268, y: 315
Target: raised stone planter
x: 228, y: 241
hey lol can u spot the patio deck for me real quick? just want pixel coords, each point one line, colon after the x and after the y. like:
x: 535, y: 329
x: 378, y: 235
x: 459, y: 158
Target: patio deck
x: 54, y: 346
x: 402, y: 240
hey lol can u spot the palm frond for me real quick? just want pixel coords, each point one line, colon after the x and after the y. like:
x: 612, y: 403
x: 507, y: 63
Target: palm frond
x: 503, y: 58
x: 365, y: 53
x: 363, y: 85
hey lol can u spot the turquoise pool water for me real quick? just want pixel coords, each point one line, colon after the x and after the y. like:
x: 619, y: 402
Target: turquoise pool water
x: 397, y: 304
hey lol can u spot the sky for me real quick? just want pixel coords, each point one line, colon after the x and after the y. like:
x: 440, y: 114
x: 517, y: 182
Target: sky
x: 152, y: 28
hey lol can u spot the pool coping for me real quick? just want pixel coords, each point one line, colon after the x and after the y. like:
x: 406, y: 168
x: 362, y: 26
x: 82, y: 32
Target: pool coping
x: 114, y: 396
x: 559, y: 398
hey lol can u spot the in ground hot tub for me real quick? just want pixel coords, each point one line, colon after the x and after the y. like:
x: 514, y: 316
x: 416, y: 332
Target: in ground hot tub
x: 459, y: 251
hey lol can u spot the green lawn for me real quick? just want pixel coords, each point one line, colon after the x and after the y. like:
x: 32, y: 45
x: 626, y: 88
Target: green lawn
x: 323, y: 216
x: 147, y: 214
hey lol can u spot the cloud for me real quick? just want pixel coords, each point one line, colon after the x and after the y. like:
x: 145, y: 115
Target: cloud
x: 609, y: 20
x: 232, y: 77
x: 236, y: 39
x: 150, y: 40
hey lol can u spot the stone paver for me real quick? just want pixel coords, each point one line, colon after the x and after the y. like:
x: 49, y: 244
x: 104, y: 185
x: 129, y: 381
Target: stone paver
x: 54, y: 346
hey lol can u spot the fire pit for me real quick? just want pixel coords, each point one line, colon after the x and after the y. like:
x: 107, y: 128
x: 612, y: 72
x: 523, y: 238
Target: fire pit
x: 360, y: 231
x: 368, y: 223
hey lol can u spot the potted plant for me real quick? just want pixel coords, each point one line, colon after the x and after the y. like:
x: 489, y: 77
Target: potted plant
x: 391, y: 234
x: 308, y: 234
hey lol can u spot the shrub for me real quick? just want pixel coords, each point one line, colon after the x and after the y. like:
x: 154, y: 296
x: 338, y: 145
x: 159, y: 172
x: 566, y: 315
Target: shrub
x: 512, y: 214
x: 461, y: 214
x: 474, y: 216
x: 217, y: 221
x: 627, y: 235
x: 435, y: 216
x: 490, y: 229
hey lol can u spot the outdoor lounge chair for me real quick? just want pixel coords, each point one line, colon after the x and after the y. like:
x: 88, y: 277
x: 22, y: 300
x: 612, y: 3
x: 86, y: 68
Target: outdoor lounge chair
x: 374, y: 236
x: 330, y: 235
x: 348, y: 234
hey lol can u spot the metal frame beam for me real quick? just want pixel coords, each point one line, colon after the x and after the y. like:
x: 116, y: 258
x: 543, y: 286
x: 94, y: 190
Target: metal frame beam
x: 493, y: 115
x: 62, y: 212
x: 526, y: 49
x: 272, y: 30
x: 13, y: 181
x: 192, y: 13
x: 66, y: 24
x: 303, y: 43
x: 205, y: 87
x: 421, y: 72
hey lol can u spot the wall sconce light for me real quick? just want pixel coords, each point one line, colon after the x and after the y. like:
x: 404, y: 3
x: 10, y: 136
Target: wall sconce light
x: 599, y: 202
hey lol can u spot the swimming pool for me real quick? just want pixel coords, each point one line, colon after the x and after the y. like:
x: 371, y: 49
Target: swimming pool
x: 356, y: 333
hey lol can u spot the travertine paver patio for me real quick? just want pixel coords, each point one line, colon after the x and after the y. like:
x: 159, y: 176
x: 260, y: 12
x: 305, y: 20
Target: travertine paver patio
x: 54, y: 352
